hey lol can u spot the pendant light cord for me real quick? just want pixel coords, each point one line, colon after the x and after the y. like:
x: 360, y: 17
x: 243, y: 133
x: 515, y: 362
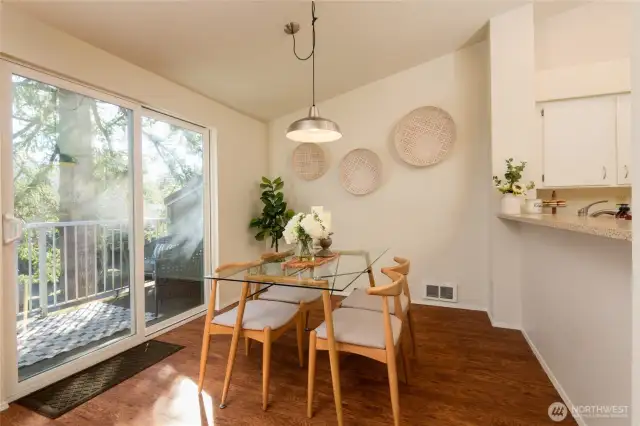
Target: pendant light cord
x: 311, y: 55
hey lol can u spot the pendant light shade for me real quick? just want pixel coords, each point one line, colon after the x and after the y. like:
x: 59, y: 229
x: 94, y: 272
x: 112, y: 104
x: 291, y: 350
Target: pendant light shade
x: 314, y: 129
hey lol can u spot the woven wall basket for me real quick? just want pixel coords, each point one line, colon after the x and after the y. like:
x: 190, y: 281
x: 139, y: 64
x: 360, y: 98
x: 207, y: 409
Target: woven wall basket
x: 360, y: 171
x: 308, y: 161
x: 424, y: 136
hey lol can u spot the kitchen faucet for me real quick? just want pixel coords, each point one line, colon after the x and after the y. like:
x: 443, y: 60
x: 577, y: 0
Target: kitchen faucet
x: 585, y: 210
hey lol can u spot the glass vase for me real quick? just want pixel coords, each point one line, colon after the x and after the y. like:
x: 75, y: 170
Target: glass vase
x: 304, y: 249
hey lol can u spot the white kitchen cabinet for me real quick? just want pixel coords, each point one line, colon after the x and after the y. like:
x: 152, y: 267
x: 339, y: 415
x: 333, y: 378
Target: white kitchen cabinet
x: 623, y: 140
x: 579, y: 142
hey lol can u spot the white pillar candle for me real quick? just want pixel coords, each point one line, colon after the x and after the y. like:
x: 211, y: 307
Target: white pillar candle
x: 326, y: 220
x: 318, y: 210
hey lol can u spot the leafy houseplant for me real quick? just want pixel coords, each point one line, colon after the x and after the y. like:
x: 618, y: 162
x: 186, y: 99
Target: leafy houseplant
x: 275, y: 214
x: 511, y: 188
x: 511, y: 183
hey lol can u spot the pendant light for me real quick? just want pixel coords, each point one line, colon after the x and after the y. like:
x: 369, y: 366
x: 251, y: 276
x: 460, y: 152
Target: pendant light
x: 312, y: 128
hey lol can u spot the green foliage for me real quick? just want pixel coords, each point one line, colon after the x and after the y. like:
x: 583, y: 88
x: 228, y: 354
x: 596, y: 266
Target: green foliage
x: 275, y: 214
x: 71, y: 151
x: 511, y: 183
x: 53, y: 261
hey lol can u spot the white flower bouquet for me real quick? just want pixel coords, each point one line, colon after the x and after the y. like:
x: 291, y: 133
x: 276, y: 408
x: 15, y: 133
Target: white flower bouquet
x: 302, y: 229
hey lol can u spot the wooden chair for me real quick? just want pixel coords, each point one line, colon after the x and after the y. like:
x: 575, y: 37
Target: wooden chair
x: 262, y: 320
x: 368, y: 333
x: 359, y: 299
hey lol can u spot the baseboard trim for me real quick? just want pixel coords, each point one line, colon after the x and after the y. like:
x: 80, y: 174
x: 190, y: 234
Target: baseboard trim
x: 556, y: 384
x: 3, y: 406
x: 501, y: 324
x: 453, y: 305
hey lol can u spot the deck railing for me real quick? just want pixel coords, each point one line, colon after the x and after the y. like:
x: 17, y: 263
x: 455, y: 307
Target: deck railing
x: 61, y: 264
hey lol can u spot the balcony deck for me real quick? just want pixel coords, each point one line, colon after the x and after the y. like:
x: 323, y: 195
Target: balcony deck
x: 73, y: 287
x: 66, y: 331
x: 85, y: 327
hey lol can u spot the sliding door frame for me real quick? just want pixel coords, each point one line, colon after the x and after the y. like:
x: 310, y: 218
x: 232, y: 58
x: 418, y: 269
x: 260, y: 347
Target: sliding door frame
x: 10, y: 387
x: 208, y: 214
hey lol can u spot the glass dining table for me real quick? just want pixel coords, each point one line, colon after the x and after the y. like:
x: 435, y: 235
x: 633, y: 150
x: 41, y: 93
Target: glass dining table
x: 335, y: 272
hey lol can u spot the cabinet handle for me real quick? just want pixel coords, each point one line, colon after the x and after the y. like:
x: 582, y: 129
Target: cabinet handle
x: 604, y: 173
x: 626, y: 171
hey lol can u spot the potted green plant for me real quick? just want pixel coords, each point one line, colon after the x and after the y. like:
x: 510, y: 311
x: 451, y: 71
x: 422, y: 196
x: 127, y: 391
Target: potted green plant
x: 511, y: 188
x: 275, y: 214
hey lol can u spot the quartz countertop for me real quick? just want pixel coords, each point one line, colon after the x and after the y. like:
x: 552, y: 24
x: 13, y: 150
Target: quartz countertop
x: 607, y: 227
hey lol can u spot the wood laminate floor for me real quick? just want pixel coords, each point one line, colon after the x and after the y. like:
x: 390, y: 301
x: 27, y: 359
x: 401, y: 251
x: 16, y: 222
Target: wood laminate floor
x: 466, y: 373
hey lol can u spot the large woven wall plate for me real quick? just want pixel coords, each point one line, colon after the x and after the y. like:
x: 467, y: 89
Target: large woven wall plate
x: 424, y: 136
x: 360, y: 171
x: 309, y: 162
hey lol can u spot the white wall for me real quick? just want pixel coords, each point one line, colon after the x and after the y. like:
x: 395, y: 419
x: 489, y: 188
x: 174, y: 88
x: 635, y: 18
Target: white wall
x: 3, y: 404
x: 584, y: 51
x: 435, y: 216
x: 635, y: 134
x: 576, y: 312
x: 242, y: 141
x: 594, y: 32
x: 513, y: 134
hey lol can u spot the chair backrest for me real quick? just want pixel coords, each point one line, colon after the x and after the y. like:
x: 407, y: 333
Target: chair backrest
x: 226, y: 270
x: 269, y: 257
x: 275, y: 256
x: 390, y: 290
x: 233, y: 268
x: 402, y: 267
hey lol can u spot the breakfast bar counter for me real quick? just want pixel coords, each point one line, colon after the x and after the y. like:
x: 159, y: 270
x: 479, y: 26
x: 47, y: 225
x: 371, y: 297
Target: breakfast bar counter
x: 607, y: 227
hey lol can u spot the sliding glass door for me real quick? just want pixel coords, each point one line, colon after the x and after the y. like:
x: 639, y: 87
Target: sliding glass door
x: 71, y: 196
x: 106, y: 225
x: 174, y: 216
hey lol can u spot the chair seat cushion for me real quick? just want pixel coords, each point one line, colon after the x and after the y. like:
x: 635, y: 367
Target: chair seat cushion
x: 291, y: 294
x: 259, y: 314
x: 360, y: 327
x: 359, y: 299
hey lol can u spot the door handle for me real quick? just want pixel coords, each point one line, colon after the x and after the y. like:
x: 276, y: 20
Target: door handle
x: 626, y: 171
x: 604, y: 173
x: 11, y: 228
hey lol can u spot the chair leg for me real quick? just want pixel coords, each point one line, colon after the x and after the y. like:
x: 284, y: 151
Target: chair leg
x: 306, y: 320
x: 393, y: 384
x: 411, y: 331
x: 312, y: 373
x: 247, y: 345
x: 300, y: 338
x: 266, y: 370
x: 334, y: 359
x: 237, y: 330
x: 206, y: 340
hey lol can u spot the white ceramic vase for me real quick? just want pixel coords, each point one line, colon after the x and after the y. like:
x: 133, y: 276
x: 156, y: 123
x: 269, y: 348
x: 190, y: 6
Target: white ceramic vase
x: 510, y: 204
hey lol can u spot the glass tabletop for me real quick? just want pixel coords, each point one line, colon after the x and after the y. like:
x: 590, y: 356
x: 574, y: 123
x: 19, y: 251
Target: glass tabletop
x: 334, y: 272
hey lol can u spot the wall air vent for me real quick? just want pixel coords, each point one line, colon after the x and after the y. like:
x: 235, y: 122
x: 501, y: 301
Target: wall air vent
x: 443, y: 292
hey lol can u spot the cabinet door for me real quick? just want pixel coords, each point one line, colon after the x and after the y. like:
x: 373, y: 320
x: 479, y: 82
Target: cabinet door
x: 579, y: 142
x: 624, y: 140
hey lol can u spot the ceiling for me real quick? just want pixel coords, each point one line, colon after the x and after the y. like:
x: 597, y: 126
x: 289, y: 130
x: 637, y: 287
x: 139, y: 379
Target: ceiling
x: 237, y: 53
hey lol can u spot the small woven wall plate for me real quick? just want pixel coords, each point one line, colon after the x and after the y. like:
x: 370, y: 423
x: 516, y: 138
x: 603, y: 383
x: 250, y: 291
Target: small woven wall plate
x: 309, y: 162
x: 360, y: 171
x: 424, y: 136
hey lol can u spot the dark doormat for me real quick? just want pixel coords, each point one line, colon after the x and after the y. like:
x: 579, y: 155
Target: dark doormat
x: 65, y: 395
